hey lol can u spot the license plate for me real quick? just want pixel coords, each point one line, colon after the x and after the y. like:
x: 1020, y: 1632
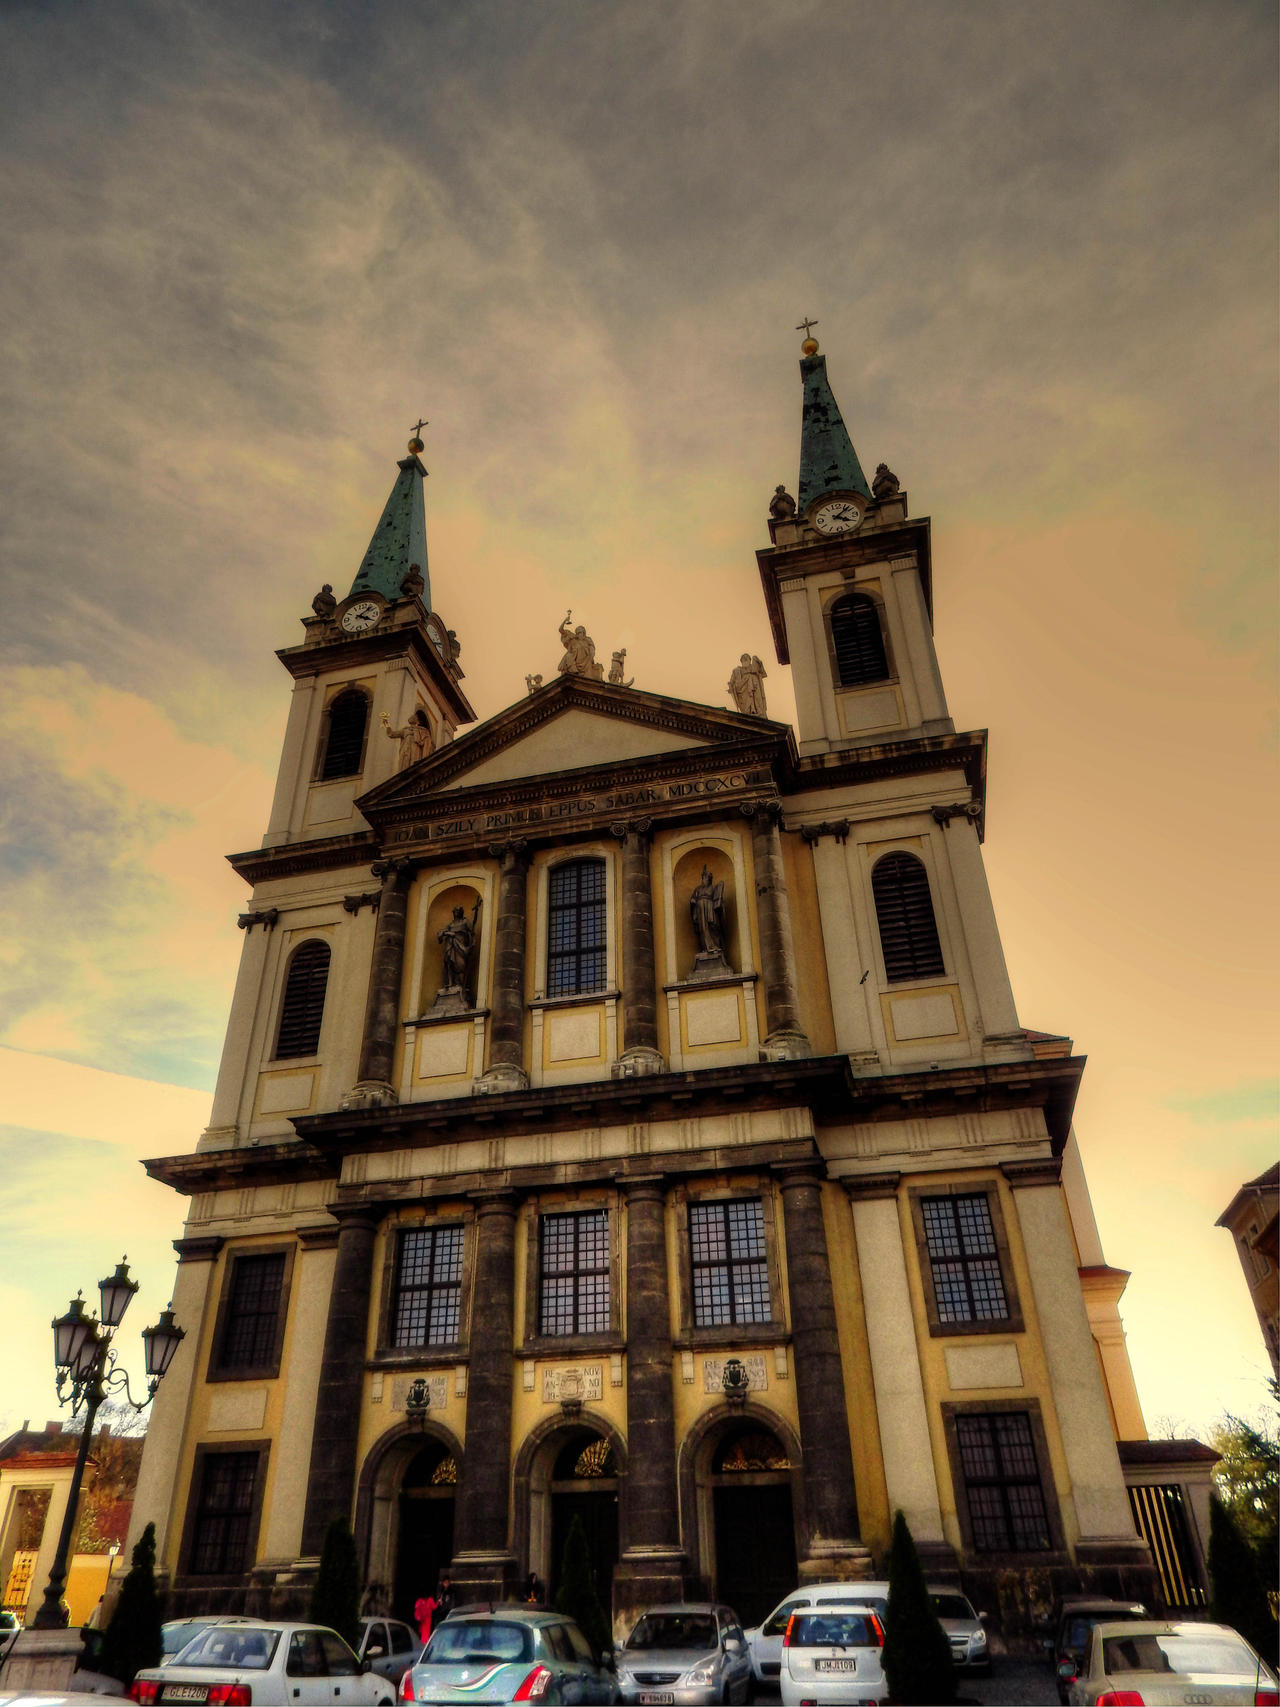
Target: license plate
x: 835, y: 1665
x: 656, y: 1698
x: 186, y: 1692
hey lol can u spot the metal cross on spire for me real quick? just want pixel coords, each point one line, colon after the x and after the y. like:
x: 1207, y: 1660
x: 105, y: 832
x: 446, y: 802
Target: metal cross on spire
x: 807, y: 326
x: 421, y: 424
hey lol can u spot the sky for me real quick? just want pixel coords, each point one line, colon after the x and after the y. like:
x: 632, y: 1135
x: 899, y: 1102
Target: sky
x: 246, y: 247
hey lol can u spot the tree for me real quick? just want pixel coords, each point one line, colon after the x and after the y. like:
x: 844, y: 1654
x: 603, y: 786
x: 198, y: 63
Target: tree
x: 132, y: 1638
x: 1248, y: 1479
x: 335, y: 1600
x: 917, y: 1654
x: 1239, y: 1593
x: 577, y: 1595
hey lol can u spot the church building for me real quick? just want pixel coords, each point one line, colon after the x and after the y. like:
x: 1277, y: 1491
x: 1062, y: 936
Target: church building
x: 624, y: 1115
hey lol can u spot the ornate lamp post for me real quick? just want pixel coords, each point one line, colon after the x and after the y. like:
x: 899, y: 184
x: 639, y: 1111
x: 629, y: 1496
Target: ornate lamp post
x: 87, y: 1373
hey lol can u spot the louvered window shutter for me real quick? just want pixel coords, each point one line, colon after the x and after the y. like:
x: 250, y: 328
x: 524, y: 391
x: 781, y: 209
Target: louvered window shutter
x: 344, y: 744
x: 302, y: 1009
x: 904, y: 913
x: 858, y: 641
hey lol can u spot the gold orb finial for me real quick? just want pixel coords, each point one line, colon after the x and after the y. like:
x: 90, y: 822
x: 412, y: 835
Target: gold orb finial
x: 809, y: 347
x: 416, y: 445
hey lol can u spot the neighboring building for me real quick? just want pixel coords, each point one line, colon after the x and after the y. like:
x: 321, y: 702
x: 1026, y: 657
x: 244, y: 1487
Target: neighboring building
x: 1252, y: 1218
x: 624, y: 1114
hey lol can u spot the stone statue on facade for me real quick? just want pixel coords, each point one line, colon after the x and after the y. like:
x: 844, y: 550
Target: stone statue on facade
x: 782, y: 506
x: 617, y: 670
x: 886, y: 483
x: 746, y: 685
x: 324, y: 604
x: 706, y: 909
x: 458, y: 939
x: 414, y: 738
x: 579, y: 652
x: 533, y: 683
x: 412, y: 583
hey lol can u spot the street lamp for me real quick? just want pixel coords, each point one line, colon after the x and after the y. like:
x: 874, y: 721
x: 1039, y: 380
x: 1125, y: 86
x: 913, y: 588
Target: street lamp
x: 87, y: 1372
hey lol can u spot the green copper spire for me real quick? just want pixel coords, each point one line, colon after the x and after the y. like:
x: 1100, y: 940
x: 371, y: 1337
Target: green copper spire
x: 828, y: 461
x: 400, y: 538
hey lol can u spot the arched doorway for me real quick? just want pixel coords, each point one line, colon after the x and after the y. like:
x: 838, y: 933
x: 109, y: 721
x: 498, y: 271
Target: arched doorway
x: 424, y: 1524
x: 567, y: 1468
x: 748, y: 1517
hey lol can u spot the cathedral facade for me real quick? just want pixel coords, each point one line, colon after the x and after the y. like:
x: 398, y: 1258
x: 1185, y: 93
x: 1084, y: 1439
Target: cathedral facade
x: 624, y: 1116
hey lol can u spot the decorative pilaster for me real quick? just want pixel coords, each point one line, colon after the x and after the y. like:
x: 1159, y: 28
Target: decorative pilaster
x: 331, y: 1481
x: 374, y: 1088
x: 483, y: 1566
x: 506, y: 1070
x: 830, y: 1500
x: 639, y: 975
x: 785, y: 1040
x: 652, y: 1565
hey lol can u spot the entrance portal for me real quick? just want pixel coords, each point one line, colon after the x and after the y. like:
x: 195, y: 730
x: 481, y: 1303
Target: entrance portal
x: 755, y: 1538
x: 425, y: 1534
x: 584, y: 1484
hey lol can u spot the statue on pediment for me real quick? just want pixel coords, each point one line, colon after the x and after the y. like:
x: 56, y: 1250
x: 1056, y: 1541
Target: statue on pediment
x: 746, y: 684
x: 414, y: 738
x: 579, y: 652
x: 618, y: 669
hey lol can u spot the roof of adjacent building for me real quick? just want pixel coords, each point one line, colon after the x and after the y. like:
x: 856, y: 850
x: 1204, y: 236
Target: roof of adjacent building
x: 400, y: 539
x: 1266, y: 1183
x: 828, y: 461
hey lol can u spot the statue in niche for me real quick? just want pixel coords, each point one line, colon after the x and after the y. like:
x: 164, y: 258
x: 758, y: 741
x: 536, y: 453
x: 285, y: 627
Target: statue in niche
x: 414, y: 738
x: 746, y: 684
x: 618, y: 669
x: 458, y: 939
x: 886, y: 483
x: 411, y: 583
x: 782, y: 506
x: 706, y: 909
x: 579, y: 652
x: 324, y: 604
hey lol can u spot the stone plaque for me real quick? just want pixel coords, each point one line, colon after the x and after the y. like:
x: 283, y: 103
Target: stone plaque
x: 924, y: 1016
x: 282, y: 1092
x: 973, y: 1367
x: 574, y: 1036
x: 581, y: 1381
x: 713, y: 1019
x: 232, y: 1409
x: 438, y: 1385
x: 752, y: 1361
x: 443, y: 1050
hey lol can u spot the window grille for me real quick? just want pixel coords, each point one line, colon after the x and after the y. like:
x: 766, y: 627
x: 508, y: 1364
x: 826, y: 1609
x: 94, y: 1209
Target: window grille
x: 904, y: 914
x: 964, y: 1259
x: 1002, y: 1482
x: 858, y: 641
x: 302, y: 1007
x: 730, y: 1263
x: 574, y: 1291
x: 428, y: 1287
x: 576, y: 941
x: 344, y: 737
x: 224, y: 1514
x: 252, y: 1318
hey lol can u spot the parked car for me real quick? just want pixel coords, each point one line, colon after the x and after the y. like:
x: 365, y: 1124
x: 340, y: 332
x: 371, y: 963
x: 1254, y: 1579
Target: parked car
x: 688, y: 1654
x: 965, y: 1628
x: 263, y: 1665
x: 831, y: 1652
x: 10, y: 1624
x: 175, y: 1635
x: 1074, y: 1625
x: 509, y: 1653
x: 765, y: 1641
x: 1162, y: 1664
x: 388, y: 1647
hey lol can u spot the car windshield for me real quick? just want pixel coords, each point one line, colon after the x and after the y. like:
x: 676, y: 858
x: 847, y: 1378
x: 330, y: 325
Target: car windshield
x: 952, y: 1606
x: 834, y: 1630
x: 1182, y: 1654
x: 493, y: 1643
x: 674, y: 1630
x: 231, y: 1647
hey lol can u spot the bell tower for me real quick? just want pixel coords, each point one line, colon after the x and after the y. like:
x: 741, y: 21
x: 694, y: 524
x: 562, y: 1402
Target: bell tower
x: 847, y: 583
x: 376, y: 677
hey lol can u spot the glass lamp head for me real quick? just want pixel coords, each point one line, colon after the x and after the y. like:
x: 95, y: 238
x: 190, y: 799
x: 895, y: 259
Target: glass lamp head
x: 116, y: 1291
x: 160, y: 1343
x: 70, y: 1333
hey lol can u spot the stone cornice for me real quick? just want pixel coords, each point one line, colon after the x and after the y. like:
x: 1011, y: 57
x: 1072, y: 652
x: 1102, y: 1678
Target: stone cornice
x: 296, y: 859
x: 389, y: 640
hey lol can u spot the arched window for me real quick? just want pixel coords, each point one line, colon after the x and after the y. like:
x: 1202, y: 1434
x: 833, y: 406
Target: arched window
x: 576, y: 942
x: 904, y: 913
x: 344, y: 736
x: 302, y: 1009
x: 858, y: 641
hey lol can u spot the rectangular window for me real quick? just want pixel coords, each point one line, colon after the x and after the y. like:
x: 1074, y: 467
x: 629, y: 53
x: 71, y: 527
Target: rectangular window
x: 251, y: 1313
x: 576, y: 939
x: 427, y: 1309
x: 225, y: 1514
x: 964, y: 1259
x: 1001, y: 1477
x: 729, y: 1262
x: 574, y: 1273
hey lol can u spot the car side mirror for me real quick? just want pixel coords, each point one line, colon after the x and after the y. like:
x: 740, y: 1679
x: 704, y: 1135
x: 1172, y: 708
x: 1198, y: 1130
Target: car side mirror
x: 732, y: 1645
x: 982, y: 1618
x: 375, y: 1651
x: 1066, y: 1672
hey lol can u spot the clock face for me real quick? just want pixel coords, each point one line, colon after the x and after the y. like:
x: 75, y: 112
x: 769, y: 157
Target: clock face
x: 839, y: 515
x: 356, y: 618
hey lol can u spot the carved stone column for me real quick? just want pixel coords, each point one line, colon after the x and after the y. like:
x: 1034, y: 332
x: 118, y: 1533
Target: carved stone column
x: 639, y: 975
x: 830, y: 1501
x: 373, y: 1088
x: 785, y: 1040
x: 331, y: 1481
x: 483, y: 1565
x: 506, y: 1070
x: 652, y: 1565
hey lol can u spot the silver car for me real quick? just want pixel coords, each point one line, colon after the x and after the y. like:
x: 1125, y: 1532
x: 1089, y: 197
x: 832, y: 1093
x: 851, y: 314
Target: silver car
x: 1165, y: 1664
x: 688, y: 1654
x: 965, y: 1628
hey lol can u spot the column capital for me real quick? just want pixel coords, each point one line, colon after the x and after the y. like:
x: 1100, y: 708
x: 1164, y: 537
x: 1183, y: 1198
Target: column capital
x: 198, y: 1249
x: 494, y: 1201
x: 643, y: 1187
x: 356, y: 1215
x: 792, y: 1175
x: 395, y: 868
x: 514, y: 853
x: 867, y: 1188
x: 1040, y: 1170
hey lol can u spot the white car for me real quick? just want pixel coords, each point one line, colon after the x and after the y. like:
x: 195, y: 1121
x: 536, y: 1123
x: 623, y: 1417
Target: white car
x: 263, y: 1665
x: 832, y: 1653
x: 1163, y: 1664
x: 765, y: 1641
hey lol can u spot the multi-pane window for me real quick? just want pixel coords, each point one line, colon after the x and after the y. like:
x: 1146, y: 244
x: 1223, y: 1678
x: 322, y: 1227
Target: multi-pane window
x: 428, y: 1287
x: 574, y: 1273
x: 576, y: 928
x: 1002, y: 1482
x: 730, y: 1263
x: 252, y: 1313
x: 302, y: 1005
x: 904, y: 914
x: 224, y: 1514
x: 858, y: 641
x: 964, y: 1259
x: 344, y: 737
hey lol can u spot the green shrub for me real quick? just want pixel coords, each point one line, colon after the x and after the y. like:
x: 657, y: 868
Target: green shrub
x: 131, y: 1640
x: 1239, y: 1593
x: 917, y: 1654
x: 335, y: 1600
x: 576, y: 1594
